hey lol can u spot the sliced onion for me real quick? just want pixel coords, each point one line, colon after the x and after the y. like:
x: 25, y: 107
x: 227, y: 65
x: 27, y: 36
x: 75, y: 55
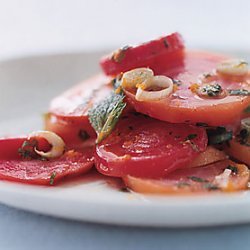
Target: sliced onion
x: 132, y: 78
x: 56, y: 142
x: 158, y: 81
x: 233, y: 67
x: 222, y: 180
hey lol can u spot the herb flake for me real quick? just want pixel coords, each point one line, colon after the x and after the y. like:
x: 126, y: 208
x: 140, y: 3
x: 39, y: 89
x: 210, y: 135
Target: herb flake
x: 207, y: 75
x: 219, y: 135
x: 211, y: 90
x: 119, y: 55
x: 233, y: 169
x: 210, y: 186
x: 182, y: 184
x: 239, y: 92
x: 247, y: 110
x: 27, y: 150
x: 197, y: 179
x: 191, y: 137
x: 116, y: 82
x: 176, y: 82
x: 52, y: 178
x: 243, y: 137
x: 201, y: 124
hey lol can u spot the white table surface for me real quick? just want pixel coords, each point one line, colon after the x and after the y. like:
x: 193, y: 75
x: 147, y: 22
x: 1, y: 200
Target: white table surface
x: 39, y: 27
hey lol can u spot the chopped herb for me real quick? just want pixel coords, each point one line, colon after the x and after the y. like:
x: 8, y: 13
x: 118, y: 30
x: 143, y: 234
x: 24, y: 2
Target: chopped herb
x: 176, y: 82
x: 201, y: 124
x: 104, y: 116
x: 27, y: 150
x: 218, y: 135
x: 247, y: 110
x: 243, y: 137
x: 83, y: 135
x: 197, y: 179
x: 165, y: 43
x: 191, y: 137
x: 116, y: 82
x: 207, y: 75
x: 240, y: 92
x: 182, y: 184
x: 119, y: 55
x: 233, y: 169
x: 211, y: 90
x: 52, y: 178
x: 205, y: 183
x: 210, y: 186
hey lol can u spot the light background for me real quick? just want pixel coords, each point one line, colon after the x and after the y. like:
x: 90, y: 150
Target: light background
x: 43, y: 26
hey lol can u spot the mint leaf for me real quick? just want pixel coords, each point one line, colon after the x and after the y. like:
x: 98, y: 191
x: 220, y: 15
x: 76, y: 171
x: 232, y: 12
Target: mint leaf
x: 104, y: 116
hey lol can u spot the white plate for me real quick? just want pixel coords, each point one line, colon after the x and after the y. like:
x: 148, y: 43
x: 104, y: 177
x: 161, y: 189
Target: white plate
x: 26, y: 87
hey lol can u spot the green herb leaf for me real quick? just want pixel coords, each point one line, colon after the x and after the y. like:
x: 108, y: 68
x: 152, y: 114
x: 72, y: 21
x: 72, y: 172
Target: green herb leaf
x: 119, y: 55
x: 104, y: 116
x: 182, y: 184
x: 247, y: 110
x: 197, y: 179
x: 52, y: 178
x: 219, y: 135
x: 191, y: 137
x: 27, y: 150
x: 243, y: 137
x: 188, y: 140
x: 176, y: 82
x: 210, y: 186
x: 241, y: 92
x: 116, y: 82
x: 207, y: 75
x: 201, y: 124
x: 211, y: 90
x: 233, y: 169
